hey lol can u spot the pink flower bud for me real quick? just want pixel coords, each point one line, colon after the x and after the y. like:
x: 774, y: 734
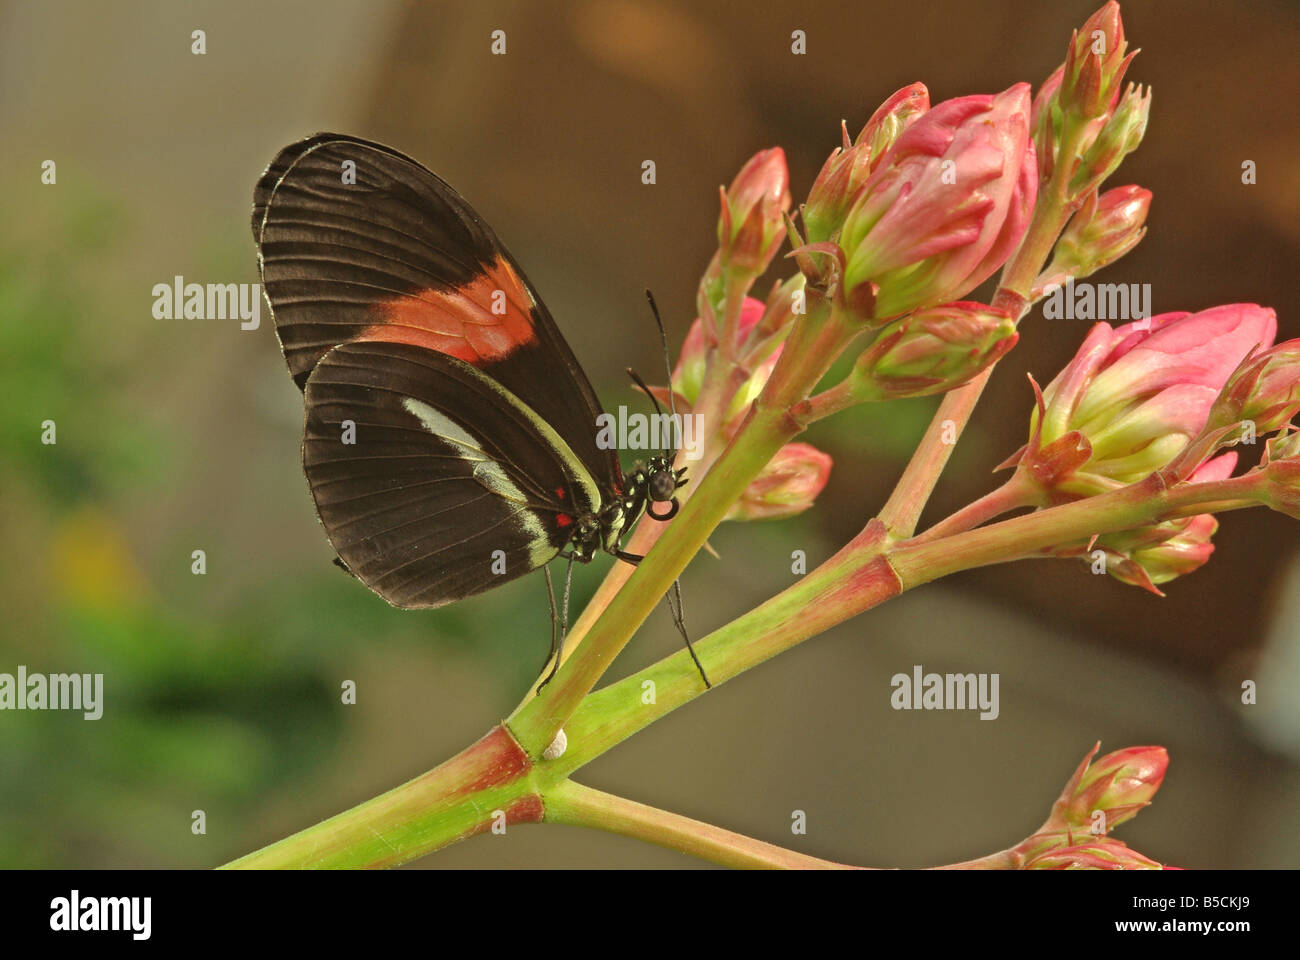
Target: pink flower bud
x: 1084, y: 90
x: 749, y: 391
x: 779, y: 310
x: 892, y: 117
x: 688, y: 375
x: 934, y: 350
x: 1104, y: 854
x: 842, y: 175
x: 1045, y: 123
x: 848, y: 167
x: 1117, y: 139
x: 928, y: 226
x: 1095, y: 62
x: 751, y: 226
x: 1284, y: 446
x: 1119, y: 784
x: 1281, y: 466
x: 1045, y: 101
x: 1104, y: 229
x: 1133, y: 396
x: 1187, y: 549
x: 788, y: 484
x: 1265, y: 390
x: 1157, y: 553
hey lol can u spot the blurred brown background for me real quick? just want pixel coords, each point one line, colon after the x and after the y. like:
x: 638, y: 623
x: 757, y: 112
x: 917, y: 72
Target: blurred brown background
x: 176, y: 435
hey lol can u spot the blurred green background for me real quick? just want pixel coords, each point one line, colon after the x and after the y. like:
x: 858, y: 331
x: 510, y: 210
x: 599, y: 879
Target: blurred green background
x: 222, y: 690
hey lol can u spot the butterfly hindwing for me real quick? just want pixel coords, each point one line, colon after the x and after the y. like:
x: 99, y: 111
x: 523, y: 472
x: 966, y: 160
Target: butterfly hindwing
x: 358, y: 242
x: 423, y: 468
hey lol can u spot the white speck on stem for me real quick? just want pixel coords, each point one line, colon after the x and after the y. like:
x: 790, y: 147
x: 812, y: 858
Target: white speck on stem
x: 557, y: 747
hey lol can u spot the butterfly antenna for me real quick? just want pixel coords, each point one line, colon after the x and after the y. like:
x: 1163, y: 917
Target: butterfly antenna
x: 636, y: 378
x: 659, y: 411
x: 668, y: 363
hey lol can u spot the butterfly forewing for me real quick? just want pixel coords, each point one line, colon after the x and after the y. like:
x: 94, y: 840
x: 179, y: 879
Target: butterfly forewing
x: 359, y: 242
x: 432, y: 481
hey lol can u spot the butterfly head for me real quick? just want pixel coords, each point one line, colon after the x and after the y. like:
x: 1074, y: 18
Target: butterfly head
x: 662, y: 482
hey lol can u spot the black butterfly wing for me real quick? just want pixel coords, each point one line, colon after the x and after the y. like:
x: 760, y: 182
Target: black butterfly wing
x: 359, y: 242
x: 447, y: 476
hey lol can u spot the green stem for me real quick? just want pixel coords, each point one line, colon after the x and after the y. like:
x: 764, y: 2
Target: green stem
x: 856, y: 579
x: 737, y: 284
x: 868, y: 571
x: 1017, y: 492
x: 849, y: 392
x: 1150, y: 501
x: 487, y: 783
x: 902, y: 510
x: 495, y: 780
x: 1009, y: 859
x: 572, y: 803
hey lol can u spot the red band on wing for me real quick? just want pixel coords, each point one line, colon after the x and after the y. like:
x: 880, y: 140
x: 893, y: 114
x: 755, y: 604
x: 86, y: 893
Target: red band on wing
x: 478, y: 322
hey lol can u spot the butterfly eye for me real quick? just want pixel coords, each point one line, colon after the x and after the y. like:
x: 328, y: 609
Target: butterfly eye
x: 663, y: 484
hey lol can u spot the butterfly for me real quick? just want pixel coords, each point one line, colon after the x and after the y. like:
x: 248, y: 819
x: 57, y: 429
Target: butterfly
x: 450, y: 442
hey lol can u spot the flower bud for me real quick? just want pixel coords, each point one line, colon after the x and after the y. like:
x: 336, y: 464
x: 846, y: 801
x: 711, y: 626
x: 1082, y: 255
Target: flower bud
x: 1117, y: 139
x: 892, y: 117
x: 1104, y: 854
x: 1284, y: 446
x: 849, y: 166
x: 933, y: 350
x: 928, y: 226
x: 785, y: 303
x: 1045, y: 123
x: 1159, y: 553
x: 756, y: 319
x: 1046, y: 100
x: 751, y: 226
x: 842, y: 175
x: 1082, y: 92
x: 1095, y: 63
x: 1104, y: 229
x: 1133, y: 396
x: 1265, y: 390
x: 688, y: 375
x: 788, y: 484
x: 1119, y: 784
x: 1281, y: 466
x: 748, y: 392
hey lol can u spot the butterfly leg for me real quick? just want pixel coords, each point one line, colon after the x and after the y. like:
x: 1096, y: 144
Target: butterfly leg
x: 560, y: 625
x: 678, y: 612
x: 555, y: 629
x: 679, y: 618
